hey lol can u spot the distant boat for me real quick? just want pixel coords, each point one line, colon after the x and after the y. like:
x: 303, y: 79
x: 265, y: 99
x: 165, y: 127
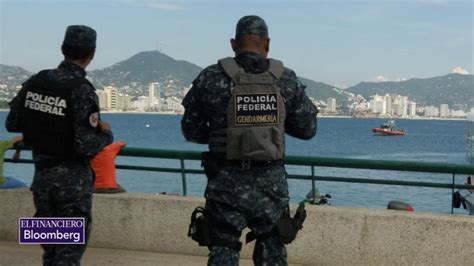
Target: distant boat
x: 389, y: 129
x: 147, y: 125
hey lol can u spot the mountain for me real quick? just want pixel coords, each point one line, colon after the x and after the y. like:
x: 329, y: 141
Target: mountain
x: 12, y: 73
x: 144, y: 68
x: 11, y: 78
x: 322, y: 91
x: 454, y: 89
x: 132, y: 77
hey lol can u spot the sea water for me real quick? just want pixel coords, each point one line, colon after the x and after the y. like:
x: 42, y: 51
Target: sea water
x: 435, y: 141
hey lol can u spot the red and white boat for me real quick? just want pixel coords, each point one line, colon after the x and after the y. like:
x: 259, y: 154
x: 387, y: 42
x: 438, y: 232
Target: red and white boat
x: 389, y: 129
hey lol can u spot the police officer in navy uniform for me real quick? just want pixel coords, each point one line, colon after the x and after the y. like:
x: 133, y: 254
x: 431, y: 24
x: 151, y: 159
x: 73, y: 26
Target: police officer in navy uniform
x: 57, y: 111
x: 242, y: 107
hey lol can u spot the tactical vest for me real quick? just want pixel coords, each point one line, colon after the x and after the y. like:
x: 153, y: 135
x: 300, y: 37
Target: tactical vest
x: 47, y: 121
x: 255, y: 115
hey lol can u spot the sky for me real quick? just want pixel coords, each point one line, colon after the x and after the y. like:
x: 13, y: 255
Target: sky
x: 339, y: 42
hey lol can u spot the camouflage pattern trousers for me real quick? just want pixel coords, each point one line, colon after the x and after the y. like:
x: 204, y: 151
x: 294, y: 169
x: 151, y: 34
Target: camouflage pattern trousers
x: 68, y: 195
x: 238, y: 198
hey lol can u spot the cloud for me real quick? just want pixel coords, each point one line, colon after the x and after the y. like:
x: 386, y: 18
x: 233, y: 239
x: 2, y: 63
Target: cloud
x: 380, y: 78
x: 157, y: 4
x: 460, y: 70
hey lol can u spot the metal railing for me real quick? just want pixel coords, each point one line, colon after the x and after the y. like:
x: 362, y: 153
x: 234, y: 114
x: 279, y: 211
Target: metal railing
x: 182, y: 156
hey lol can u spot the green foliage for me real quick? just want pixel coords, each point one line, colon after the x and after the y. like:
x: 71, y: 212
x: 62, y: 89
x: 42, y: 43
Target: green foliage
x: 4, y: 104
x: 322, y: 91
x: 146, y: 67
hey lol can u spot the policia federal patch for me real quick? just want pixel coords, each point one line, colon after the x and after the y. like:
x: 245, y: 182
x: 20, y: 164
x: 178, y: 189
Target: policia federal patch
x: 256, y: 108
x: 45, y: 103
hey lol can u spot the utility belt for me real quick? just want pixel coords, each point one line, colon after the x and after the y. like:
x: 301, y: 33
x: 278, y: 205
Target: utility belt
x: 249, y: 164
x: 53, y: 162
x: 213, y: 163
x: 286, y: 229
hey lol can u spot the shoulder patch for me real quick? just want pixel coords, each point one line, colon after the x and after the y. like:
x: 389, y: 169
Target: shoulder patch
x: 94, y: 119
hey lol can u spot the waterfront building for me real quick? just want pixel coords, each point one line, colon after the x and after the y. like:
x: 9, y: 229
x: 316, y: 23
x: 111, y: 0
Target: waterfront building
x: 412, y: 109
x: 123, y: 102
x: 111, y: 98
x: 444, y: 110
x: 331, y: 105
x: 140, y: 104
x: 391, y: 105
x: 400, y: 105
x: 378, y: 104
x: 154, y: 94
x: 388, y: 104
x: 174, y: 104
x: 457, y: 113
x: 431, y: 111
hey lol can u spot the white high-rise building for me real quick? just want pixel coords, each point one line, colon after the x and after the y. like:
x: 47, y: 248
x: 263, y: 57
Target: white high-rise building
x: 388, y: 104
x: 444, y: 110
x: 431, y: 111
x: 378, y: 104
x: 457, y: 113
x: 174, y: 104
x: 400, y: 105
x: 112, y: 94
x: 404, y: 105
x: 154, y: 94
x: 331, y: 105
x: 412, y: 109
x: 123, y: 102
x: 141, y: 104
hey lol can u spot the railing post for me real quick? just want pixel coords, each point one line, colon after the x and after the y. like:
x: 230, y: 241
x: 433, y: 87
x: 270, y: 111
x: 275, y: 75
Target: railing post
x: 313, y: 184
x: 452, y: 194
x: 183, y: 177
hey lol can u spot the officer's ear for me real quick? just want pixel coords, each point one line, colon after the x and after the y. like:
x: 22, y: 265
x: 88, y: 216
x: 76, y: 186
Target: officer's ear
x: 92, y: 55
x: 267, y: 45
x: 233, y: 44
x: 86, y: 61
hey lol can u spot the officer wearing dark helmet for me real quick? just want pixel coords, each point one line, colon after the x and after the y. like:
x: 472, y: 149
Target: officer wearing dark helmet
x: 242, y: 107
x: 57, y: 111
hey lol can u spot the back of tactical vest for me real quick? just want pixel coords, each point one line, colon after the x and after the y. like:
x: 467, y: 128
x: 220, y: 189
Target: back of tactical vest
x: 47, y: 122
x: 255, y: 114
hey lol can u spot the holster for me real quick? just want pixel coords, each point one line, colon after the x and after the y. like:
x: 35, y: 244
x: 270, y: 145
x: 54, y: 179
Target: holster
x: 210, y: 163
x: 286, y: 227
x: 199, y: 227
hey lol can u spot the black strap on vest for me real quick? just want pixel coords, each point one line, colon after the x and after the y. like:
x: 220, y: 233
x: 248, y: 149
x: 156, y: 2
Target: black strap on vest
x: 276, y: 68
x: 231, y: 68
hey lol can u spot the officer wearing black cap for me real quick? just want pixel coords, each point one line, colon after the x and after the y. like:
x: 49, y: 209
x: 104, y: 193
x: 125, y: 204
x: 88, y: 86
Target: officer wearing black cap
x: 242, y: 107
x: 57, y: 111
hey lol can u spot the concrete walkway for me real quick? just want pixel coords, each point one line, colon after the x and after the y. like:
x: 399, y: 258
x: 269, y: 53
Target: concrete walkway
x: 12, y: 253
